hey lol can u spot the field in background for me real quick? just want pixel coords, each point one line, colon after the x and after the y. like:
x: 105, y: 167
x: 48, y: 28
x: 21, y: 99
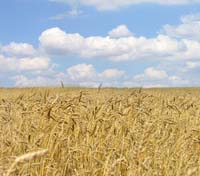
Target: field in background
x: 105, y: 132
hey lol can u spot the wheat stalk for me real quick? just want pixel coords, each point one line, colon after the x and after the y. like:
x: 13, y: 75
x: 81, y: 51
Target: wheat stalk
x: 25, y: 158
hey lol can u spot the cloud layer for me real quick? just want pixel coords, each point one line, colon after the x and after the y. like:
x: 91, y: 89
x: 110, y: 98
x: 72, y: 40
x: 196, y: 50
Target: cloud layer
x: 119, y: 45
x: 175, y: 50
x: 8, y: 64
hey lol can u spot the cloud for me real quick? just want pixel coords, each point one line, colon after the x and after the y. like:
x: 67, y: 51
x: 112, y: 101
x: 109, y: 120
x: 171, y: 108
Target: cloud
x: 81, y: 72
x: 120, y: 31
x: 71, y: 2
x: 56, y: 41
x: 72, y: 13
x: 18, y: 49
x: 177, y: 45
x: 179, y: 81
x: 8, y: 64
x: 192, y: 65
x: 77, y: 75
x: 152, y: 73
x: 190, y: 18
x: 116, y: 4
x: 112, y: 73
x: 86, y: 75
x: 37, y: 63
x: 23, y: 81
x: 188, y: 29
x: 154, y: 77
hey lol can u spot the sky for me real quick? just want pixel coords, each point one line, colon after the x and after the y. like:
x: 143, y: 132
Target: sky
x: 116, y: 43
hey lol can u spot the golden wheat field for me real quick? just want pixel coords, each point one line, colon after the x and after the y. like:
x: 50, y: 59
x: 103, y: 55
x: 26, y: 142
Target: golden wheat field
x: 99, y: 132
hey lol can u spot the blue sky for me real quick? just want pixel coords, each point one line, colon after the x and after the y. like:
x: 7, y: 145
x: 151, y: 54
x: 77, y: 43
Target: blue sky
x: 149, y: 43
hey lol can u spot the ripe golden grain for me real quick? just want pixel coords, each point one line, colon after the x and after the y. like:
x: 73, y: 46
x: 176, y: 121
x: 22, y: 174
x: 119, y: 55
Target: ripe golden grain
x: 25, y: 158
x: 100, y: 132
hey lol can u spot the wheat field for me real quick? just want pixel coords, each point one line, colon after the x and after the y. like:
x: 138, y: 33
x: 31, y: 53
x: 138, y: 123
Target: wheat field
x: 99, y: 132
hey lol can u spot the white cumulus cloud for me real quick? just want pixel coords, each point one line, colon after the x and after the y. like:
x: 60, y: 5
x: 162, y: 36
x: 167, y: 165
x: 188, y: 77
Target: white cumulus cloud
x: 8, y: 64
x: 81, y: 72
x: 155, y: 77
x: 86, y: 75
x: 24, y: 81
x: 120, y: 31
x: 37, y: 63
x: 76, y: 75
x: 18, y: 49
x: 112, y: 73
x: 188, y: 29
x: 56, y: 41
x: 152, y: 73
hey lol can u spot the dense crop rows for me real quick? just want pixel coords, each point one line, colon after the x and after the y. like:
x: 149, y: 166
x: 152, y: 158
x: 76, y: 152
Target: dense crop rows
x: 107, y: 132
